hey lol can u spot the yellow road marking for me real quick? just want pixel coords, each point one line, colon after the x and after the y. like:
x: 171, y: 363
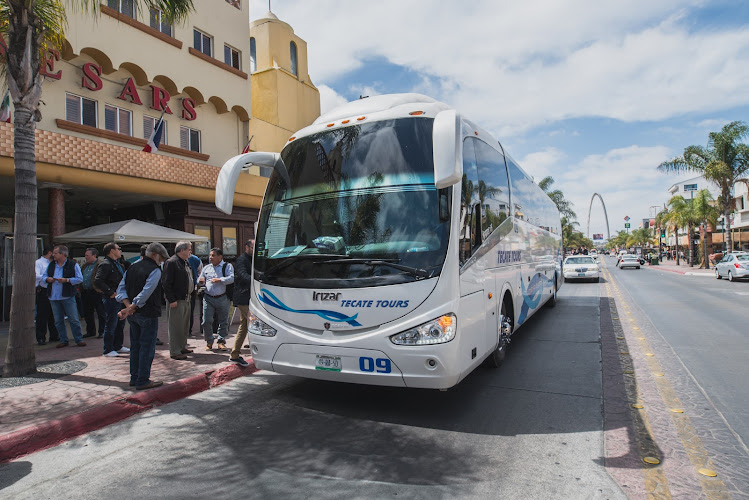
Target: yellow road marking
x: 713, y: 488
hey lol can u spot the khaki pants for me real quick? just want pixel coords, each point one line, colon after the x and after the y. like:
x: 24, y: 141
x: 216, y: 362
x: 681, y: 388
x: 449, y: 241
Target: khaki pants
x: 179, y: 326
x: 244, y: 312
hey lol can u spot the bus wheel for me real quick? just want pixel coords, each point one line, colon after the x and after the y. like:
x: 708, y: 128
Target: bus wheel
x: 505, y: 331
x: 552, y: 302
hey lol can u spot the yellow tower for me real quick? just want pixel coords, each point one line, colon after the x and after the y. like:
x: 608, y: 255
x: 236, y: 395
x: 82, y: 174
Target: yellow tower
x: 284, y: 99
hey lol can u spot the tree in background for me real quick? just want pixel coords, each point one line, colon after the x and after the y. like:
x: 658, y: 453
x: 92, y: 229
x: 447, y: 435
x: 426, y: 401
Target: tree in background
x: 681, y: 215
x: 568, y: 216
x: 640, y: 237
x: 707, y: 213
x: 725, y: 161
x: 29, y: 28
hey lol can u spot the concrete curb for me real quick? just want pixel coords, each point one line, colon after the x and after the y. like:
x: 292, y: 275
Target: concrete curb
x: 32, y: 439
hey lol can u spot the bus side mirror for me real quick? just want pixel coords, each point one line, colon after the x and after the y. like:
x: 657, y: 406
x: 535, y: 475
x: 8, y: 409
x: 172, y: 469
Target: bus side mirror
x: 447, y: 149
x: 226, y: 183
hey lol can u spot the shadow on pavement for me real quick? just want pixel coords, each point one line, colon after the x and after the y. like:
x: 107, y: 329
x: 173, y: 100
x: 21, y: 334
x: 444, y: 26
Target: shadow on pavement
x: 13, y: 472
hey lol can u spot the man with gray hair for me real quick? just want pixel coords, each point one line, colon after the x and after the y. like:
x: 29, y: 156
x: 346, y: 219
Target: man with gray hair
x: 177, y: 282
x: 63, y: 275
x: 140, y: 292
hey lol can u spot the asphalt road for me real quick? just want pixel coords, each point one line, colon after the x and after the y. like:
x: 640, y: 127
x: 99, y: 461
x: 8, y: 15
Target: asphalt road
x: 705, y: 322
x: 531, y: 429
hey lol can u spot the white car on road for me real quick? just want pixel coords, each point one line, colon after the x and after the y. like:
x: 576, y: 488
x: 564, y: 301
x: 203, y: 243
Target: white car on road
x: 629, y: 260
x: 581, y: 267
x: 733, y: 266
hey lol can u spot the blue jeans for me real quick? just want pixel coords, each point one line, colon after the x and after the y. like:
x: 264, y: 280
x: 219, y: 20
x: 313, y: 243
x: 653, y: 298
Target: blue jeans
x: 142, y: 347
x: 67, y: 307
x: 114, y: 327
x: 219, y: 305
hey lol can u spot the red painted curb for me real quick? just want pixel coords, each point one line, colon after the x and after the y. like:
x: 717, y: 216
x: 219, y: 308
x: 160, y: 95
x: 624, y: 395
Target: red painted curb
x: 32, y: 439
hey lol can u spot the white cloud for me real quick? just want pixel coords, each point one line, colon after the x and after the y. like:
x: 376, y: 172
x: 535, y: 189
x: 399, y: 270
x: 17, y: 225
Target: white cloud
x: 513, y: 66
x: 329, y: 99
x: 626, y: 179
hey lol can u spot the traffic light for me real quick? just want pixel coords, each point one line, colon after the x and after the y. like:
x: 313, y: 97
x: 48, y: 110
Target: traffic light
x: 663, y: 233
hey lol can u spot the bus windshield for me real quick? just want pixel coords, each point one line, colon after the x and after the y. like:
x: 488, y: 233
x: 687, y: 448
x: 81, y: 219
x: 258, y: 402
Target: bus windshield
x: 360, y: 209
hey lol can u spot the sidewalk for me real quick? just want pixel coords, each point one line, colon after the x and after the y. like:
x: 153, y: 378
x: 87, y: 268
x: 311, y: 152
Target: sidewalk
x: 58, y: 407
x: 683, y: 268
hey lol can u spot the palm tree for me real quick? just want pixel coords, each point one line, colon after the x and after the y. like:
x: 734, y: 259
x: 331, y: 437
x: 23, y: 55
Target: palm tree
x: 563, y: 205
x: 681, y: 215
x: 725, y: 161
x: 639, y: 237
x: 707, y: 213
x: 30, y: 27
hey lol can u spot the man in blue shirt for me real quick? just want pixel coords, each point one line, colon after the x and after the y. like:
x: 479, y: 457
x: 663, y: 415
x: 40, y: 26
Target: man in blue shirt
x: 216, y: 276
x: 196, y: 266
x: 63, y: 275
x: 140, y: 291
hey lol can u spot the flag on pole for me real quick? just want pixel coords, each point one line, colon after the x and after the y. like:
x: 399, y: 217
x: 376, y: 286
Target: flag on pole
x: 247, y: 147
x: 153, y: 142
x: 5, y: 109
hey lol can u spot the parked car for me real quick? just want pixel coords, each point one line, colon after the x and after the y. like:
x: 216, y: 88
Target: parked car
x: 629, y: 260
x: 733, y: 266
x: 580, y: 267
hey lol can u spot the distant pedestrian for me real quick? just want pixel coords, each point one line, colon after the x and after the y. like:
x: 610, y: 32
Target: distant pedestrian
x: 196, y: 266
x: 178, y: 285
x: 140, y: 291
x: 63, y: 275
x: 216, y: 276
x: 45, y: 320
x: 91, y: 298
x: 242, y: 285
x: 107, y: 278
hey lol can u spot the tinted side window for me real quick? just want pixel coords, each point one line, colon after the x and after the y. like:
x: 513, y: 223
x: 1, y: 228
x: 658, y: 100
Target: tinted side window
x: 469, y: 203
x: 493, y: 190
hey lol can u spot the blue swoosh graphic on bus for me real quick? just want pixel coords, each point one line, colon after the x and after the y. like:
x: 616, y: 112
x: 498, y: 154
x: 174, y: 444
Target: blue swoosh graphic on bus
x: 532, y: 295
x: 267, y: 297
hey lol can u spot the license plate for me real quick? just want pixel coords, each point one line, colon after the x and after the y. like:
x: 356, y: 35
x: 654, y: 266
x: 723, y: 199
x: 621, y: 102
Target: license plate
x: 581, y: 274
x: 328, y: 363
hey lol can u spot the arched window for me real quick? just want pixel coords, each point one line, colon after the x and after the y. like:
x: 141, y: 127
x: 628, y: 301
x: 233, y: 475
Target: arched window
x: 292, y: 49
x: 253, y: 56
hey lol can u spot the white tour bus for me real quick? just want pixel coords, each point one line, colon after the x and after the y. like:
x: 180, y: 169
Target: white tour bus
x: 398, y: 245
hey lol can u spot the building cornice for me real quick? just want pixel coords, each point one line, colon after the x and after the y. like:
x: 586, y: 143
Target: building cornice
x: 127, y: 139
x: 218, y: 63
x: 140, y: 26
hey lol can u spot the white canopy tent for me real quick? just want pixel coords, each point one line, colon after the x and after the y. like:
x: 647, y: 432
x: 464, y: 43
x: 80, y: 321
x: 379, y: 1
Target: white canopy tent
x: 129, y: 231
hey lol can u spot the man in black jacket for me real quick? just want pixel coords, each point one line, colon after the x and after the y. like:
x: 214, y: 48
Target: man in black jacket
x: 242, y: 285
x: 177, y: 282
x: 108, y: 277
x: 140, y: 291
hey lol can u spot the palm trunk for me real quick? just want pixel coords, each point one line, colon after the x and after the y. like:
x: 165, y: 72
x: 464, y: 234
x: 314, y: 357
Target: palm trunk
x: 20, y: 357
x: 676, y: 235
x: 727, y: 221
x: 690, y: 242
x: 25, y: 87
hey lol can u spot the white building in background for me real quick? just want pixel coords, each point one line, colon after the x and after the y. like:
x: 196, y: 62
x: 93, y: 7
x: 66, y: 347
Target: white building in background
x: 739, y: 217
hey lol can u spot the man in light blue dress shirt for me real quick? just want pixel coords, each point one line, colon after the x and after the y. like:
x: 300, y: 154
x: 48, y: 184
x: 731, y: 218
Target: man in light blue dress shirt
x: 216, y: 276
x: 63, y: 276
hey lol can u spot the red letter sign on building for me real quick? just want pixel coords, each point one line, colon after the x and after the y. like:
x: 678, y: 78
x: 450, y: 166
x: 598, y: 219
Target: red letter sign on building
x: 91, y: 74
x: 48, y: 65
x: 130, y: 91
x: 188, y: 113
x: 160, y: 99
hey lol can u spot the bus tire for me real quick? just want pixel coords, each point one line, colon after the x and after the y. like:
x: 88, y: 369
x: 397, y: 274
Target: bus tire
x: 506, y: 319
x: 552, y: 302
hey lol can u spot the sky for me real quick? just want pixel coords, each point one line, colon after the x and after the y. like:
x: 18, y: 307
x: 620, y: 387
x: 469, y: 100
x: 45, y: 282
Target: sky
x: 594, y: 93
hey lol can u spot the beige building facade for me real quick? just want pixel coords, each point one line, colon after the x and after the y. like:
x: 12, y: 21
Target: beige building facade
x: 107, y: 88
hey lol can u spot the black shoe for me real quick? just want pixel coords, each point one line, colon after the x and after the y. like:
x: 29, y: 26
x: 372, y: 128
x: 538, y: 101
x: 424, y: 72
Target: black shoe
x: 158, y: 342
x: 100, y: 336
x: 131, y: 384
x: 240, y: 361
x: 41, y: 342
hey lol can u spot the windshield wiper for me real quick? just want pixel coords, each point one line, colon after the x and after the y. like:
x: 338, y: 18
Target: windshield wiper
x: 413, y: 271
x: 292, y: 259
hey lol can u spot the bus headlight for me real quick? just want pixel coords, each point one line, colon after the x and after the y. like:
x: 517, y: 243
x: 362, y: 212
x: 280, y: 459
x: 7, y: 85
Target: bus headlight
x: 259, y: 327
x: 437, y: 331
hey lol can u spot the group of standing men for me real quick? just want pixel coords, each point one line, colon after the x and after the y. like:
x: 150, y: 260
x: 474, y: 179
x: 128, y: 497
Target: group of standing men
x: 116, y: 293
